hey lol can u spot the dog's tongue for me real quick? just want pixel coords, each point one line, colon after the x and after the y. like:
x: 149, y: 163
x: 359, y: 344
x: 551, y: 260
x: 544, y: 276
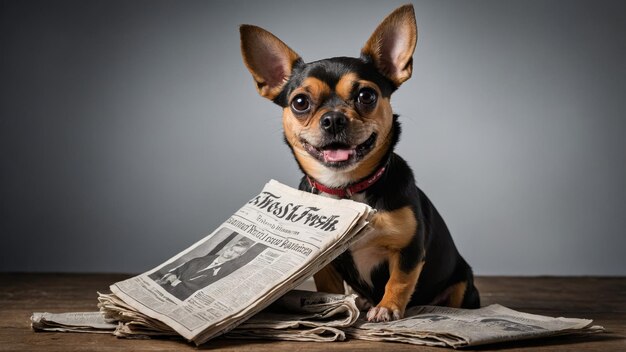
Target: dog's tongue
x: 337, y: 154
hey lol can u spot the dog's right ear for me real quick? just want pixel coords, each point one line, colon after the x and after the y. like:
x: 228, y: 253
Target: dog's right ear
x: 269, y: 59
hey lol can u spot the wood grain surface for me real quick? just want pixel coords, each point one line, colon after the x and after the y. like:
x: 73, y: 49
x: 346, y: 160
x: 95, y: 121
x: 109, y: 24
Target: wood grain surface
x: 598, y: 298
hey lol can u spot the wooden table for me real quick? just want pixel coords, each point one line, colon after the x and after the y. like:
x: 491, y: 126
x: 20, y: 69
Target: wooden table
x: 601, y: 299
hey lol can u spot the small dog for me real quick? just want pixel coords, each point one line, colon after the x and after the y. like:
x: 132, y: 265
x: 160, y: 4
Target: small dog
x: 339, y: 125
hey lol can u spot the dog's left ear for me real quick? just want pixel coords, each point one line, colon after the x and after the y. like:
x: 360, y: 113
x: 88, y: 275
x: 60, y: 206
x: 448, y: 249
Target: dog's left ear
x: 392, y: 44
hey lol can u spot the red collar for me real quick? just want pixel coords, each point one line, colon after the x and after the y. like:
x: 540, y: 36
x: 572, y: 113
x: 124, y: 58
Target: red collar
x: 347, y: 192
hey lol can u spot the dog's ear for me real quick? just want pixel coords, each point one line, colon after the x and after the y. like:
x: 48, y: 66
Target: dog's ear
x: 392, y: 44
x: 269, y: 59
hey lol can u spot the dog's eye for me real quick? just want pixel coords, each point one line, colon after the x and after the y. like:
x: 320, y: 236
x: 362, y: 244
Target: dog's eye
x: 367, y: 96
x: 300, y: 103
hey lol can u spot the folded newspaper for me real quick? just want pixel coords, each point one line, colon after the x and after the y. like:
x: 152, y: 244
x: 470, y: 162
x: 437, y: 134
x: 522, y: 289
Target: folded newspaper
x: 452, y: 327
x: 228, y: 281
x: 272, y: 244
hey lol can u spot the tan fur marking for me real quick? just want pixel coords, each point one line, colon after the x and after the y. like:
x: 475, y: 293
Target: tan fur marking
x: 394, y: 229
x: 316, y: 89
x: 400, y: 286
x: 293, y: 128
x: 345, y: 84
x: 457, y: 292
x: 328, y: 280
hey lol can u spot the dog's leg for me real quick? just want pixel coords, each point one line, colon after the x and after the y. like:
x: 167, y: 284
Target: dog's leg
x: 397, y: 230
x: 328, y: 280
x: 398, y: 291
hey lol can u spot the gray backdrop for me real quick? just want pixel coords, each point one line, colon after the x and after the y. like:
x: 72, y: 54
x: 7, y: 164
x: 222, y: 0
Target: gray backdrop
x: 129, y: 129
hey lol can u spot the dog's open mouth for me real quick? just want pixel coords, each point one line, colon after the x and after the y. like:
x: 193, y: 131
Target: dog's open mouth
x: 338, y: 154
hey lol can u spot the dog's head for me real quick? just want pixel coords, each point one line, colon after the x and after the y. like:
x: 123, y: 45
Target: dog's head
x: 337, y: 117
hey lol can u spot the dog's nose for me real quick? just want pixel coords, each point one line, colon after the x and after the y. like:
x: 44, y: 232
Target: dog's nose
x: 333, y: 122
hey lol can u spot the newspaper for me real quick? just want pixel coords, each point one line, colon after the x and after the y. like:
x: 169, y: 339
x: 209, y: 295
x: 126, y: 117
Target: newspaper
x: 93, y: 322
x: 302, y: 316
x: 311, y: 316
x: 269, y: 246
x: 452, y: 327
x: 297, y: 316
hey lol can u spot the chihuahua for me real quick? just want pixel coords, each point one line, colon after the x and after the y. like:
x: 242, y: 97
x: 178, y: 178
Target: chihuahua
x: 339, y: 125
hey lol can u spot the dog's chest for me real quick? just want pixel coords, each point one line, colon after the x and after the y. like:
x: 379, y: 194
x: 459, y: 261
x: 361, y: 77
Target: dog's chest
x: 365, y: 255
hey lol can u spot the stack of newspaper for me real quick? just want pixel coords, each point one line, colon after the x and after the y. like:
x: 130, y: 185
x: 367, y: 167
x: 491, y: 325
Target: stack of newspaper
x: 269, y: 246
x: 297, y: 316
x: 240, y: 279
x: 321, y: 317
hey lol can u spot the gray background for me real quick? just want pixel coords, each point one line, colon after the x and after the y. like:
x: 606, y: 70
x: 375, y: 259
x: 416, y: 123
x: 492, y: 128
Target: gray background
x: 128, y: 129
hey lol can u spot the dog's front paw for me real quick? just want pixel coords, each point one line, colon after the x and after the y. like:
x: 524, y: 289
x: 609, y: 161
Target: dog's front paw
x: 381, y: 313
